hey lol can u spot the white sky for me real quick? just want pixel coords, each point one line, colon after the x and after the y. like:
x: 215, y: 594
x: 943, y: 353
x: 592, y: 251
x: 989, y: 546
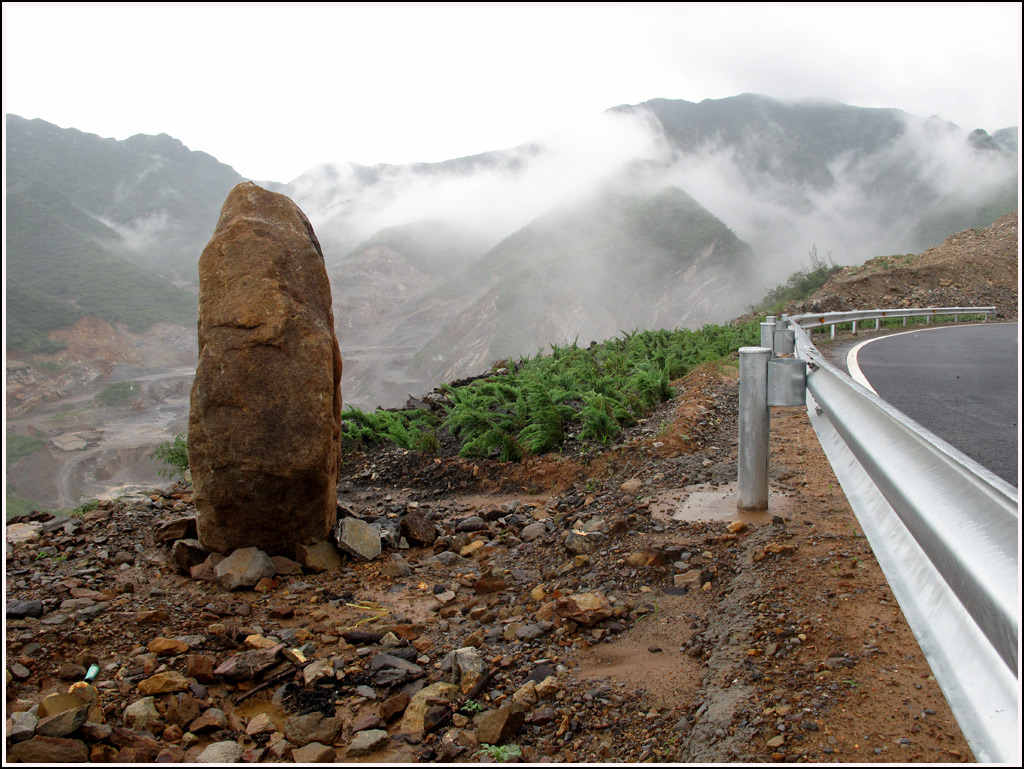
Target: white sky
x: 274, y: 89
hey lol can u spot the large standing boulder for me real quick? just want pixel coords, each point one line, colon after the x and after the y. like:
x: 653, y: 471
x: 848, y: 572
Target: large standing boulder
x: 265, y: 420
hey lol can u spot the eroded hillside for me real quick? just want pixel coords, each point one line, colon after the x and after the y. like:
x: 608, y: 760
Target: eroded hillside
x: 976, y: 267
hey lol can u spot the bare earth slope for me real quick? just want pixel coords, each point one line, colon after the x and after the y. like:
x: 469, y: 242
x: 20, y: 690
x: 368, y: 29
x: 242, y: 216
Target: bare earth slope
x: 973, y: 267
x: 718, y: 639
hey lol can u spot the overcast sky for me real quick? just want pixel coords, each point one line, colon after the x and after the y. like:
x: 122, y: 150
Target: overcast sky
x: 275, y: 89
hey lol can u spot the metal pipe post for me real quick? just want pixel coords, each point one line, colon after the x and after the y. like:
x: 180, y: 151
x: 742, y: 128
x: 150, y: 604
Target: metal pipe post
x: 754, y: 420
x: 768, y: 333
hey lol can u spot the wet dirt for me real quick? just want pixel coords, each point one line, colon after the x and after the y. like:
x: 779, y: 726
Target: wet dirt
x: 791, y: 617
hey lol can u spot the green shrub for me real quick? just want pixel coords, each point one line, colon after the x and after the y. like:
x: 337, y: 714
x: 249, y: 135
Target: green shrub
x: 19, y: 446
x: 84, y: 508
x: 801, y: 284
x: 500, y: 753
x: 174, y: 455
x: 116, y: 393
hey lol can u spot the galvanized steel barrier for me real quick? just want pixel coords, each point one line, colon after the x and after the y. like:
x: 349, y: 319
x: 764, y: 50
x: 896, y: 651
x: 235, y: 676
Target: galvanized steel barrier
x: 944, y: 529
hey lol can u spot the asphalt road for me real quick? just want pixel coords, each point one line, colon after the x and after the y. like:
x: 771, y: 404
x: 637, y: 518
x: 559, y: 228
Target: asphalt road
x: 960, y: 382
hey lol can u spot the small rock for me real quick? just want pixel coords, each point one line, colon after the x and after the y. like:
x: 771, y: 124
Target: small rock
x: 167, y: 647
x: 21, y: 533
x: 499, y: 726
x: 319, y: 557
x: 314, y: 727
x: 248, y: 664
x: 584, y: 608
x: 689, y: 580
x: 20, y: 609
x: 23, y: 726
x: 358, y: 538
x: 143, y: 716
x: 533, y: 531
x: 547, y: 688
x: 63, y: 724
x: 206, y: 571
x: 314, y: 753
x: 647, y: 558
x: 413, y: 720
x: 317, y: 671
x: 261, y: 723
x: 49, y: 750
x: 489, y: 583
x: 200, y: 667
x: 394, y: 706
x: 243, y: 568
x: 226, y: 752
x: 418, y: 530
x: 211, y: 720
x: 526, y: 694
x: 164, y: 683
x: 71, y: 671
x: 285, y: 567
x: 396, y: 567
x: 471, y: 524
x: 532, y: 632
x: 367, y: 742
x: 186, y: 554
x: 581, y: 542
x: 178, y: 528
x: 468, y: 667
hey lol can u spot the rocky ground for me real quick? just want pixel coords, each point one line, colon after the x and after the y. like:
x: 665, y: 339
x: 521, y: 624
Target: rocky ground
x: 561, y: 614
x: 606, y: 607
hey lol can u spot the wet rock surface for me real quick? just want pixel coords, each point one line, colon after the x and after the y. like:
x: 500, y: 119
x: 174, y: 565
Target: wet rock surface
x: 265, y: 412
x: 667, y: 640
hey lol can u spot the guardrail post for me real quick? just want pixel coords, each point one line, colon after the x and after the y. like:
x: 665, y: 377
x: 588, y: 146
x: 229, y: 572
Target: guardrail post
x: 768, y: 332
x: 854, y: 328
x: 754, y: 420
x: 832, y: 331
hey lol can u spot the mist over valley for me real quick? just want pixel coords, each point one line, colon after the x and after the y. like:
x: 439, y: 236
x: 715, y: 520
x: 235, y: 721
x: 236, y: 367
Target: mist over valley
x: 664, y: 214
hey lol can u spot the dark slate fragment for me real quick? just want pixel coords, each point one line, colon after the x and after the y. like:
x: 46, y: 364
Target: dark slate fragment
x: 20, y: 609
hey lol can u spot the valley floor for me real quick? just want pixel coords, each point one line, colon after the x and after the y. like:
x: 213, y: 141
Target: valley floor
x: 771, y: 638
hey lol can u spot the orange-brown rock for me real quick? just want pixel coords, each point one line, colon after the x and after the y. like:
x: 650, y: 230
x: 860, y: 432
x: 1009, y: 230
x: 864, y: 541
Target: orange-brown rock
x: 265, y: 419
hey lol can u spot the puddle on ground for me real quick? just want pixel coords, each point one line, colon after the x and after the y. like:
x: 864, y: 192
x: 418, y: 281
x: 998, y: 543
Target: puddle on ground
x: 705, y: 502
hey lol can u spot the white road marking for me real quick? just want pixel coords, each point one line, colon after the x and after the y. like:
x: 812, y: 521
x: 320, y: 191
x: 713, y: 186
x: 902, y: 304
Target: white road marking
x: 851, y: 357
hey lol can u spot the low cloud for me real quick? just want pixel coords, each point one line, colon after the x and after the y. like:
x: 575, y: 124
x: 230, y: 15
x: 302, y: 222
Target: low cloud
x: 495, y: 198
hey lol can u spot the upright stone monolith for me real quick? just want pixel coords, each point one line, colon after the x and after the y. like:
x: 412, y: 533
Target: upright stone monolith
x: 265, y: 419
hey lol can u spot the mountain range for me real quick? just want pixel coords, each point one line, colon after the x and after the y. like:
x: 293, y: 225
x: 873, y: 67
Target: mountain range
x: 662, y: 214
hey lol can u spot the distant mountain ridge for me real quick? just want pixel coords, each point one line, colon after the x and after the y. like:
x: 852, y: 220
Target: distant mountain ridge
x: 662, y: 213
x: 149, y: 199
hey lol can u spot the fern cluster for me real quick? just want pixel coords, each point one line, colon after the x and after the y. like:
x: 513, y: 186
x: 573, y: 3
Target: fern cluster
x: 535, y: 405
x: 414, y: 429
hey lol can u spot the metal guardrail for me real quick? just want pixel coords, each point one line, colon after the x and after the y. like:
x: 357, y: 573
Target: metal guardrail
x: 833, y: 319
x: 944, y: 529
